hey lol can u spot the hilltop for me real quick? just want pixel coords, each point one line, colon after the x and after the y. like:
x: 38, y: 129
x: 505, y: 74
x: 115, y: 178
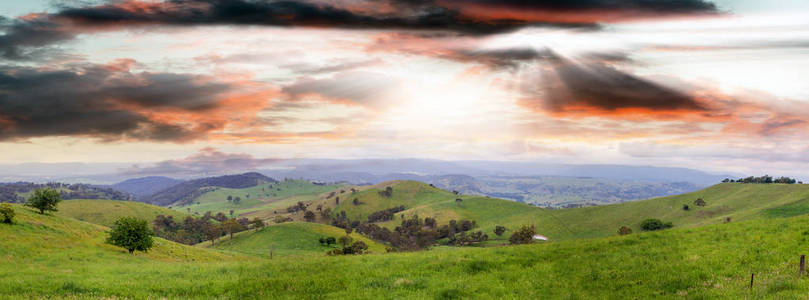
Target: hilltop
x: 146, y: 186
x: 105, y: 212
x: 186, y: 192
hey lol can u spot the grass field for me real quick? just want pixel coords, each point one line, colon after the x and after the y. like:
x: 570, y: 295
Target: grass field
x: 296, y: 238
x: 258, y: 198
x: 51, y: 256
x: 105, y: 212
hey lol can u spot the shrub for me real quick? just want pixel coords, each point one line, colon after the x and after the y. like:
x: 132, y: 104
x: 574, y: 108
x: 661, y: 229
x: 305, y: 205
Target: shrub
x: 700, y: 202
x: 345, y: 240
x: 654, y: 224
x: 499, y: 230
x: 624, y: 230
x: 309, y: 216
x: 525, y: 235
x: 44, y: 199
x: 685, y: 207
x: 7, y: 213
x: 131, y: 234
x: 257, y: 223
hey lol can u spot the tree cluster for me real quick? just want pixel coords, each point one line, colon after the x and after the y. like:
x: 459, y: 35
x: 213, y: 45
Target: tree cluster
x: 195, y: 230
x: 524, y: 235
x: 654, y: 224
x: 385, y: 214
x: 462, y: 239
x: 763, y: 180
x: 388, y: 192
x: 10, y: 192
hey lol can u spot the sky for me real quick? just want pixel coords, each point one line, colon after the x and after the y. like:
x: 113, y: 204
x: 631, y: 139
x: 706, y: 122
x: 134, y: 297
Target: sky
x: 713, y: 85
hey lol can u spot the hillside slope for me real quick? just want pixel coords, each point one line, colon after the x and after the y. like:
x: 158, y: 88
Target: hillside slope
x: 296, y: 238
x: 186, y: 192
x: 735, y: 200
x: 105, y: 212
x: 146, y: 186
x: 714, y: 261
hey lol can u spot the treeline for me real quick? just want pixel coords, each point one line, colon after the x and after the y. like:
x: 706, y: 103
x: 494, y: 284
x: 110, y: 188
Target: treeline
x: 764, y: 180
x: 208, y: 227
x: 384, y: 215
x: 415, y: 233
x: 10, y: 192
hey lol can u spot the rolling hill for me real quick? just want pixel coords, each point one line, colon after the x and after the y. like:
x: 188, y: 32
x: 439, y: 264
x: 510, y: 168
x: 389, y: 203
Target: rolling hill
x: 298, y: 238
x: 186, y: 192
x: 146, y: 186
x: 258, y: 200
x: 50, y: 256
x: 105, y: 212
x: 735, y: 200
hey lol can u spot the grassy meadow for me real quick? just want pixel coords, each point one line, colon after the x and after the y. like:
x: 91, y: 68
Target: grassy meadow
x: 105, y: 212
x: 52, y: 256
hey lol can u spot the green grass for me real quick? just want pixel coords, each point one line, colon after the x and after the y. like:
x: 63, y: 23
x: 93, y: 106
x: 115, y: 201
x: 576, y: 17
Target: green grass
x: 296, y: 238
x: 105, y: 212
x: 50, y: 256
x: 261, y: 197
x: 737, y: 201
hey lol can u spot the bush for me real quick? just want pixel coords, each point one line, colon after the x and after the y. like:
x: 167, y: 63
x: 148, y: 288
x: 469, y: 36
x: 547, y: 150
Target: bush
x: 624, y: 230
x: 654, y: 224
x: 499, y: 230
x: 525, y: 235
x: 685, y: 207
x: 257, y: 223
x: 700, y: 202
x: 44, y: 200
x: 131, y: 234
x: 7, y: 213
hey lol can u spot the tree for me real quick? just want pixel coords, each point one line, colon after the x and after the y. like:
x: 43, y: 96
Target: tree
x: 331, y: 240
x: 654, y: 224
x: 685, y: 207
x: 231, y: 213
x: 624, y: 230
x: 345, y: 240
x: 357, y: 247
x: 356, y: 201
x: 309, y: 216
x: 235, y: 200
x: 257, y: 223
x: 499, y: 230
x: 525, y: 235
x: 230, y: 198
x: 7, y: 213
x: 44, y: 199
x: 131, y: 234
x: 212, y: 231
x: 231, y: 226
x: 700, y: 202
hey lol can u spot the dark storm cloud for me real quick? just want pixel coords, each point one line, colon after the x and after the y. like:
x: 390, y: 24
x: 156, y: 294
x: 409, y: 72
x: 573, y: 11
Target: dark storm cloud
x: 569, y: 84
x: 47, y: 29
x: 102, y: 101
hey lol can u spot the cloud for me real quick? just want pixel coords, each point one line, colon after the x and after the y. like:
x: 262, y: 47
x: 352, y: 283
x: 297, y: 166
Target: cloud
x: 594, y: 86
x: 208, y: 160
x: 354, y: 87
x: 112, y: 103
x: 473, y: 17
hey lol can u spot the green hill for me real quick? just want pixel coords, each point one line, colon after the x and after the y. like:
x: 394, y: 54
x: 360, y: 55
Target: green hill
x: 261, y: 197
x: 105, y: 212
x: 735, y: 200
x: 50, y: 256
x: 297, y: 238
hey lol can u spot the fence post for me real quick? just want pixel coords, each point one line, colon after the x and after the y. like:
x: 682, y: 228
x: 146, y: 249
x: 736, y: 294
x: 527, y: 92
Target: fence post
x: 752, y: 275
x: 803, y: 265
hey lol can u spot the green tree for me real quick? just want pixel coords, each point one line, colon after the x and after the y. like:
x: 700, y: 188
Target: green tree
x: 499, y: 230
x: 212, y: 231
x: 131, y: 234
x: 525, y: 235
x: 345, y: 240
x: 44, y: 199
x: 7, y: 213
x: 654, y: 224
x: 257, y: 223
x: 230, y: 226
